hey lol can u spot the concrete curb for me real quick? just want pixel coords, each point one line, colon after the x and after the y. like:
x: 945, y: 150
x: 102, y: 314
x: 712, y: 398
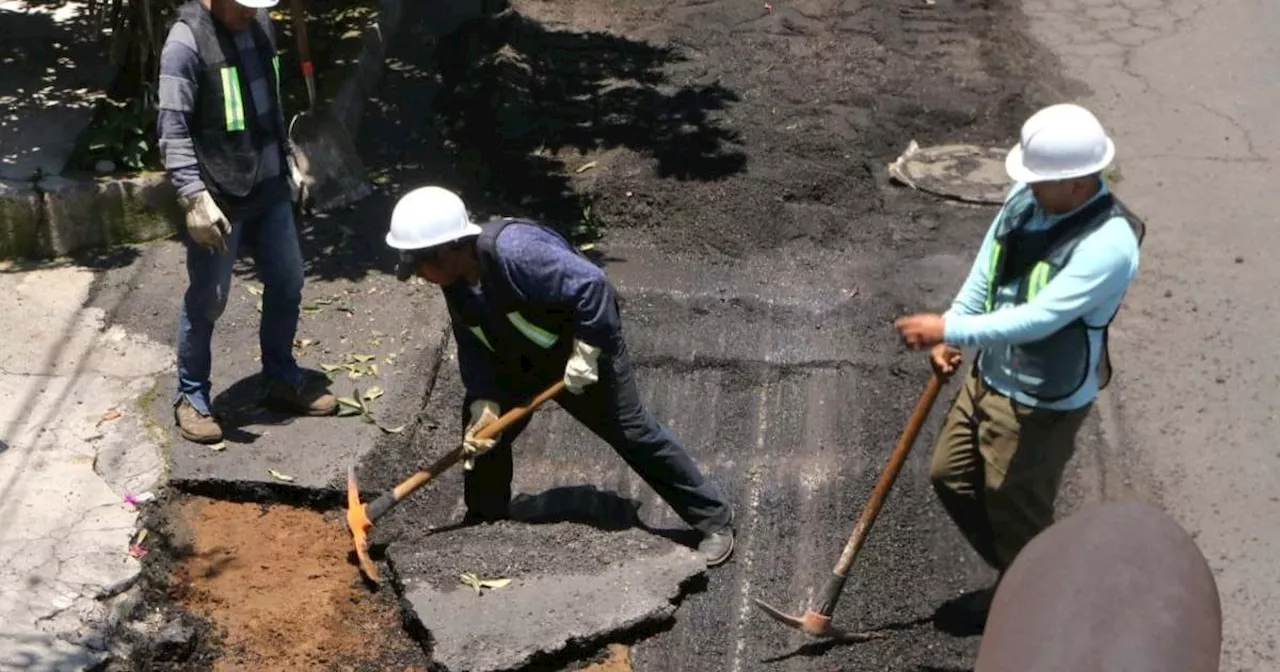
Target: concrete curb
x: 60, y: 215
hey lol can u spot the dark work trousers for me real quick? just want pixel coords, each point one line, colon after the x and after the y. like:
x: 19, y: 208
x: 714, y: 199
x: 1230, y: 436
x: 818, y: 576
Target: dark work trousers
x: 611, y: 408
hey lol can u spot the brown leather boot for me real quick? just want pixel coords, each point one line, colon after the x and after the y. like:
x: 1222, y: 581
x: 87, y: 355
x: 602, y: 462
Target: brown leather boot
x: 300, y: 400
x: 194, y: 426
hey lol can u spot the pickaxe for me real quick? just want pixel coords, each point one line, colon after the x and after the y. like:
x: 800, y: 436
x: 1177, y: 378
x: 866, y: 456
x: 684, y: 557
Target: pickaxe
x: 817, y: 623
x: 360, y: 518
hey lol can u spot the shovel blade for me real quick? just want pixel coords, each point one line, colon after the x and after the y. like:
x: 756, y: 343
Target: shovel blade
x: 333, y: 176
x: 358, y: 524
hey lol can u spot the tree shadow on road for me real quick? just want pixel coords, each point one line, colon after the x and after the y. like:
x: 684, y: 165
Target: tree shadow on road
x: 517, y: 93
x: 490, y: 105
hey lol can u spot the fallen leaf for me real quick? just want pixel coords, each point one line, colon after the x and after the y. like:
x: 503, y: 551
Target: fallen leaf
x: 373, y: 393
x: 373, y: 368
x: 362, y: 358
x: 219, y: 446
x: 392, y: 430
x: 110, y: 415
x: 347, y: 411
x: 587, y: 247
x: 472, y: 579
x: 330, y: 367
x: 279, y: 476
x: 350, y: 402
x: 585, y: 167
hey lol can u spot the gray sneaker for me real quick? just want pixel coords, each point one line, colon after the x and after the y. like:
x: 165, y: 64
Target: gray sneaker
x: 717, y: 546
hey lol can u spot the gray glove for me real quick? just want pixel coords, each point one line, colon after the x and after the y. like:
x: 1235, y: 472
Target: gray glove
x: 205, y: 222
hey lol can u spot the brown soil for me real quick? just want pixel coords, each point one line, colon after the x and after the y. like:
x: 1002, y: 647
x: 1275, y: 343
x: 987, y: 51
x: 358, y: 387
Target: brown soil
x: 276, y: 583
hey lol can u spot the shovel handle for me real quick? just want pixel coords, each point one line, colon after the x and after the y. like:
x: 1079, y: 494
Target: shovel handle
x: 304, y: 50
x: 382, y: 504
x: 835, y: 582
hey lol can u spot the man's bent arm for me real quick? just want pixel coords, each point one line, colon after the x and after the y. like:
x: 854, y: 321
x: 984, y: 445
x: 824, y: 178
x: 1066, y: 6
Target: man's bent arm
x: 1100, y: 269
x: 177, y: 90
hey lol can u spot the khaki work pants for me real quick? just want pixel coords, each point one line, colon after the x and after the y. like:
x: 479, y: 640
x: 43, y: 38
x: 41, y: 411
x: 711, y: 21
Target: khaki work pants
x: 997, y: 467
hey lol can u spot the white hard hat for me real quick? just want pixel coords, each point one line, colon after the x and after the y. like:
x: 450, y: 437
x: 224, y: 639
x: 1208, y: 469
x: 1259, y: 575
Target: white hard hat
x: 429, y: 216
x: 1060, y: 142
x: 258, y: 4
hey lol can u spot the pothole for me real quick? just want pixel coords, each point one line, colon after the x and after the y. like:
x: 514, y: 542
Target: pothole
x: 246, y: 586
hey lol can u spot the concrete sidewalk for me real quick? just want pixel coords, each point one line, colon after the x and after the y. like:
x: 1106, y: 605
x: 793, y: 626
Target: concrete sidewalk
x: 75, y: 444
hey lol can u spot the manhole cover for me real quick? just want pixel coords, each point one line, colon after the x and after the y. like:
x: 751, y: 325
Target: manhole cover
x: 963, y: 172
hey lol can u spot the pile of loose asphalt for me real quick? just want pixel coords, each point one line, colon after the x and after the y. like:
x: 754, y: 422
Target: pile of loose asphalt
x: 735, y: 154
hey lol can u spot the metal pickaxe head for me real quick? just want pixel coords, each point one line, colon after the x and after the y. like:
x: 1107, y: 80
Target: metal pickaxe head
x: 359, y: 524
x: 816, y: 624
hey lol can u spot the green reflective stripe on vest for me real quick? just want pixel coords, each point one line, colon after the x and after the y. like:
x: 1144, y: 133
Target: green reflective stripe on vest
x: 275, y: 63
x: 531, y: 331
x: 1038, y: 279
x: 480, y: 335
x: 991, y: 274
x: 233, y: 103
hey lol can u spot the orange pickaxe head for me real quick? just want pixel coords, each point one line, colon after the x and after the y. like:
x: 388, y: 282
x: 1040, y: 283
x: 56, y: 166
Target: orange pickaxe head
x: 359, y: 524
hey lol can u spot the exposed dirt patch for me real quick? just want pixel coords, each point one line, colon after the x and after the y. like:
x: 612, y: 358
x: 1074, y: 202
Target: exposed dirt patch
x: 272, y: 589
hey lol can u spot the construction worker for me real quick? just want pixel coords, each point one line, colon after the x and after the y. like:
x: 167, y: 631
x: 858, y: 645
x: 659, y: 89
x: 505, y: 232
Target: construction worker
x: 226, y: 151
x: 527, y: 309
x: 1048, y: 279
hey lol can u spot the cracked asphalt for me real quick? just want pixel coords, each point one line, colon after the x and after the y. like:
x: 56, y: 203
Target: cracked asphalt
x: 1187, y: 88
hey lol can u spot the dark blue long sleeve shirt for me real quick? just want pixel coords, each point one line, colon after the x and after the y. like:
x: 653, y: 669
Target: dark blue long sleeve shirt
x: 541, y: 267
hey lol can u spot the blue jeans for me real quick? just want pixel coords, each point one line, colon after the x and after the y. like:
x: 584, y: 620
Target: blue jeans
x: 278, y: 258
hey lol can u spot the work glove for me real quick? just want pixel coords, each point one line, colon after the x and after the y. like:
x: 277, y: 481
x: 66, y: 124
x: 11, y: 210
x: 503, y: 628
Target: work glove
x: 295, y: 182
x: 582, y: 368
x: 483, y: 412
x: 206, y: 224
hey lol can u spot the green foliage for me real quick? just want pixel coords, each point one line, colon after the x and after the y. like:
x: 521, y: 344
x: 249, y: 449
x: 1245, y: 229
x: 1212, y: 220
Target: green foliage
x: 125, y: 133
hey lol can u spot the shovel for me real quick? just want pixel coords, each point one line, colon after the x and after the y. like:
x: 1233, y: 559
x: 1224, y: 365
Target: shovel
x: 360, y: 518
x: 817, y: 623
x: 332, y: 175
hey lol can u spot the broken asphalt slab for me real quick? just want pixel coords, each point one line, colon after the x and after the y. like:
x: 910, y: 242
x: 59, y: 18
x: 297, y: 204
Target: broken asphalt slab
x: 571, y: 585
x: 75, y: 444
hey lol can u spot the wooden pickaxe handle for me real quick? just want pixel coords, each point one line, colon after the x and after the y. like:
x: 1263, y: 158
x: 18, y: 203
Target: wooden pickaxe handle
x: 835, y: 583
x: 380, y: 506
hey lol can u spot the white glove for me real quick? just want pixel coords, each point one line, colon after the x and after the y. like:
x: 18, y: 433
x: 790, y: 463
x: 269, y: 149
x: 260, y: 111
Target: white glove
x: 483, y: 412
x: 205, y: 222
x: 582, y: 369
x: 295, y: 181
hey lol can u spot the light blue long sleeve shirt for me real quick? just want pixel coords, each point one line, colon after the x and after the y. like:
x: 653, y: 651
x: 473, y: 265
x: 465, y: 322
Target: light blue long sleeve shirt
x: 1091, y: 285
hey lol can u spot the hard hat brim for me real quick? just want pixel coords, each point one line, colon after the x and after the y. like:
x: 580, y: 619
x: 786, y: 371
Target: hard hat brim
x: 1016, y: 168
x: 471, y: 229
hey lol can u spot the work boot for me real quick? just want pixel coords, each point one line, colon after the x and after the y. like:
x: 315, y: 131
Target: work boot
x: 300, y: 399
x: 194, y: 425
x: 717, y: 546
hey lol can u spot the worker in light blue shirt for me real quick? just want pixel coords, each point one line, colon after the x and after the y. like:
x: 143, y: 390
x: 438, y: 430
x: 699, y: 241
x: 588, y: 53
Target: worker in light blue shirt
x: 1046, y: 283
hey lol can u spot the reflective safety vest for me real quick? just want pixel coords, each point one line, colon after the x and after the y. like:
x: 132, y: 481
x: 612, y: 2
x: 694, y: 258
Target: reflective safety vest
x: 523, y: 336
x: 1023, y: 261
x: 227, y: 130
